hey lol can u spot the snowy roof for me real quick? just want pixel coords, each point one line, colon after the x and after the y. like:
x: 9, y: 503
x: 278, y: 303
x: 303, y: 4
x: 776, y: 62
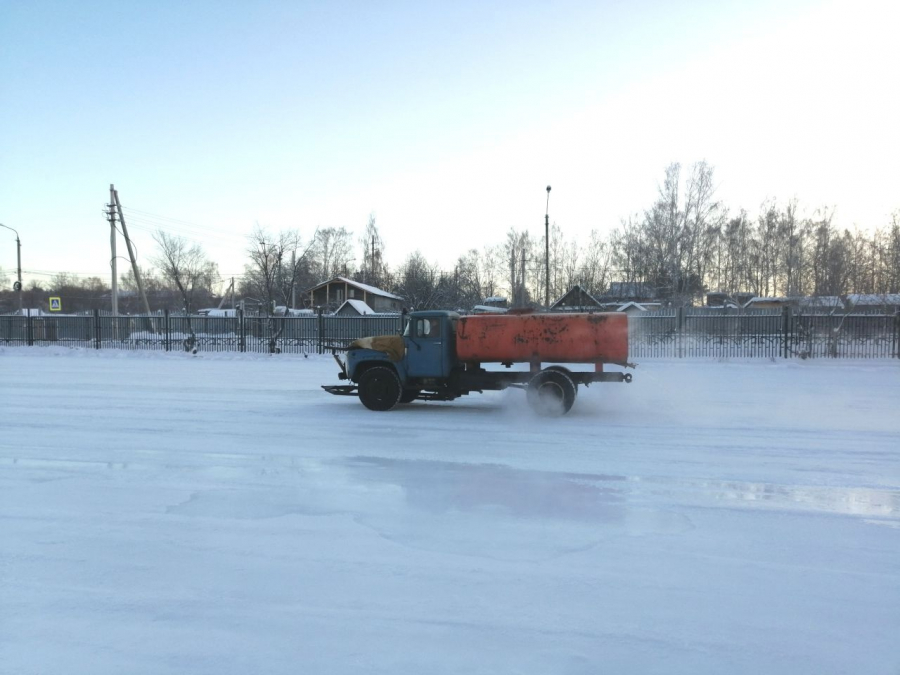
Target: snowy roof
x: 214, y: 311
x: 363, y: 287
x: 629, y: 305
x: 874, y: 299
x: 358, y: 305
x: 488, y: 309
x: 820, y: 301
x: 577, y: 292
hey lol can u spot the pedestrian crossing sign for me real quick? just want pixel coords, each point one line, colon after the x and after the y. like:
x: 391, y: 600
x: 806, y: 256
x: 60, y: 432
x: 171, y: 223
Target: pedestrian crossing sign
x: 55, y: 305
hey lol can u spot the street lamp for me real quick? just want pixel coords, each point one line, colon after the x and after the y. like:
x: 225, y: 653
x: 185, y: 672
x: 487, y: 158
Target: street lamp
x: 18, y: 285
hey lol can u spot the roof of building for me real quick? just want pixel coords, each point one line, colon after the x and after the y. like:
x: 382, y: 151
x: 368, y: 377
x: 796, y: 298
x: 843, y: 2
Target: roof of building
x: 579, y: 292
x: 356, y: 284
x: 629, y: 305
x: 873, y: 299
x: 361, y: 307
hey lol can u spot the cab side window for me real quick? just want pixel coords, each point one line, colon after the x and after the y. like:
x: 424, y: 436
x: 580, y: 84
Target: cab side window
x: 428, y: 328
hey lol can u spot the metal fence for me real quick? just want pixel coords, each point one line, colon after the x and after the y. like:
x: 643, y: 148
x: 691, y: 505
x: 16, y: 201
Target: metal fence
x: 668, y: 333
x: 772, y: 333
x: 169, y: 332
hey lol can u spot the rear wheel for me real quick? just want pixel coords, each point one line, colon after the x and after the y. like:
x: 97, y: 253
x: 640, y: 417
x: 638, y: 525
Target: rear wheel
x: 551, y: 393
x: 566, y: 371
x: 379, y: 388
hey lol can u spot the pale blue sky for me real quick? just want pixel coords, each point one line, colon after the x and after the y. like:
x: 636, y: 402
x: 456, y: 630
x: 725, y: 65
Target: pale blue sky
x: 445, y: 119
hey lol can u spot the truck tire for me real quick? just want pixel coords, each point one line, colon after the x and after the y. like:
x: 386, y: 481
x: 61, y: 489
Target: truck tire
x: 551, y: 393
x: 379, y: 388
x: 565, y: 370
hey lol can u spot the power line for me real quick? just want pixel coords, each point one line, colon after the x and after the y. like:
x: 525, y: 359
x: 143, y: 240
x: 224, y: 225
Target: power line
x: 175, y: 225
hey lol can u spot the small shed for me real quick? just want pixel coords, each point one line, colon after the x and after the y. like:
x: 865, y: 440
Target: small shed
x: 632, y: 308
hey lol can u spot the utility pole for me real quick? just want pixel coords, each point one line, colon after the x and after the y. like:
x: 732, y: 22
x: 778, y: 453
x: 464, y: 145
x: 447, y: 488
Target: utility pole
x: 522, y: 283
x: 547, y: 250
x: 111, y: 216
x: 18, y: 284
x: 134, y: 267
x: 293, y: 279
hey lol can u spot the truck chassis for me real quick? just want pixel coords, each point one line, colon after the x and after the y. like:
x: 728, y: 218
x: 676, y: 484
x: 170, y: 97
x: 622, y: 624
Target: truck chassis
x: 550, y: 391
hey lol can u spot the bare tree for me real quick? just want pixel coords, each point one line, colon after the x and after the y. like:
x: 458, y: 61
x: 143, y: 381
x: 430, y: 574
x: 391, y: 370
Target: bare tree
x: 331, y: 252
x: 420, y: 283
x: 374, y: 270
x: 187, y: 267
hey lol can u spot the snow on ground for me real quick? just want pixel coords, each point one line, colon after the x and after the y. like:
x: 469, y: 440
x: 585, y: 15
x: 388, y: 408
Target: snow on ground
x: 163, y: 513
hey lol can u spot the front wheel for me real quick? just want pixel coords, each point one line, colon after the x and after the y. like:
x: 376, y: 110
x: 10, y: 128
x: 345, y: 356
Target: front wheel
x: 551, y: 393
x: 379, y: 388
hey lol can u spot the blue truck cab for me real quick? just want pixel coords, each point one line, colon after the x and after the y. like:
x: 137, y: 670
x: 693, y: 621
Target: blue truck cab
x: 427, y: 357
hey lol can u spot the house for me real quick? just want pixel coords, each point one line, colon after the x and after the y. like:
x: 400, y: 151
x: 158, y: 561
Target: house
x: 353, y: 308
x: 576, y: 299
x: 333, y: 293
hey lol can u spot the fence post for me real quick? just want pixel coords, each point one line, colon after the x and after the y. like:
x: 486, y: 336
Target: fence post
x: 97, y: 338
x: 241, y: 335
x: 897, y: 331
x: 786, y: 321
x: 167, y: 330
x: 679, y: 328
x: 320, y: 329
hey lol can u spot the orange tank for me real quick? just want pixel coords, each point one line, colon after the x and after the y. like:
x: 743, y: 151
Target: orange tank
x: 553, y: 338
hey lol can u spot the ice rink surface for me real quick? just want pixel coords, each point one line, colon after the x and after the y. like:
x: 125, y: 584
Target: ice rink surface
x: 220, y: 513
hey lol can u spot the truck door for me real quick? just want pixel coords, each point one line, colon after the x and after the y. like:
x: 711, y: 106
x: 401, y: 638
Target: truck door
x: 425, y: 351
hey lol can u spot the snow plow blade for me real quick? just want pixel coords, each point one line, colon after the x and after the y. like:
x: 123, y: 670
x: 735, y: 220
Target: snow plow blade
x: 341, y: 389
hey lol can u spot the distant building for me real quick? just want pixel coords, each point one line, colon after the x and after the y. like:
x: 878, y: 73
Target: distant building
x: 768, y: 303
x: 335, y: 292
x: 729, y: 300
x: 576, y: 299
x: 635, y: 291
x: 495, y: 301
x: 883, y: 301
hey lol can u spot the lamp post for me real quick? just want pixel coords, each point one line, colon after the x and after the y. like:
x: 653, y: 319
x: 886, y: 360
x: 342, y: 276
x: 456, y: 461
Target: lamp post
x: 18, y: 284
x: 547, y: 250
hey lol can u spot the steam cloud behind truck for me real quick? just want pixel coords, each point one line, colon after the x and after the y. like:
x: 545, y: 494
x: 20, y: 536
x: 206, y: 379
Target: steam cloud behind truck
x: 440, y: 357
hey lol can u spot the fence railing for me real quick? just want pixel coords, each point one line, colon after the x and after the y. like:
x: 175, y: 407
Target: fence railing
x: 669, y: 333
x: 170, y: 332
